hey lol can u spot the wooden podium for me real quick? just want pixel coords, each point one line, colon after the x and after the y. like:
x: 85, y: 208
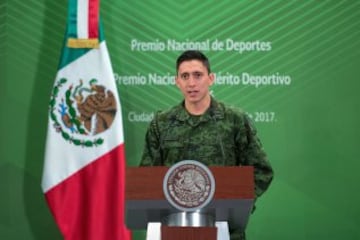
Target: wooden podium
x: 145, y: 200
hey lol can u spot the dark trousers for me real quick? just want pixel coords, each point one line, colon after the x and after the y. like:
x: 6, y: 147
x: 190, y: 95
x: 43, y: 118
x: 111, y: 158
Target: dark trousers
x: 238, y: 236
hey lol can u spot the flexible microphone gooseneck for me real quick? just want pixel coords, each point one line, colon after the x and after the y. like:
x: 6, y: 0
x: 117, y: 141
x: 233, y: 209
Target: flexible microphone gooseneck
x: 218, y: 135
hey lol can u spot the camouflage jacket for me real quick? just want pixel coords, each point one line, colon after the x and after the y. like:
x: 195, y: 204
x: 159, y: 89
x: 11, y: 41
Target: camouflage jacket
x: 221, y: 136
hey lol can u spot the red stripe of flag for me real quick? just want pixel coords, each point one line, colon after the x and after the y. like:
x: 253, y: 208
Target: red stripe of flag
x: 93, y: 18
x: 86, y: 205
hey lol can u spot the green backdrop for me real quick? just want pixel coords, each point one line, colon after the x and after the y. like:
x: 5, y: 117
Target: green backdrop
x: 292, y: 65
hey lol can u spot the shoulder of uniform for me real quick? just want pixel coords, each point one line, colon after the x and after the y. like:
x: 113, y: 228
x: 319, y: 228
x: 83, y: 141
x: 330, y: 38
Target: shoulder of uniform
x: 236, y: 115
x: 230, y: 110
x: 167, y: 115
x: 217, y: 109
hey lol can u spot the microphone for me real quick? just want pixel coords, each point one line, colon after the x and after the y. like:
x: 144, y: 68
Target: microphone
x: 219, y: 140
x: 172, y: 120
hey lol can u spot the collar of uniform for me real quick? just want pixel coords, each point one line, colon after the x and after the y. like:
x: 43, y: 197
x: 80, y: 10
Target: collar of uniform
x: 215, y: 111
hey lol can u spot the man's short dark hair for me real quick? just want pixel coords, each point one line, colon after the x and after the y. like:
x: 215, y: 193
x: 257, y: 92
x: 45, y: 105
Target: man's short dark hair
x: 193, y: 55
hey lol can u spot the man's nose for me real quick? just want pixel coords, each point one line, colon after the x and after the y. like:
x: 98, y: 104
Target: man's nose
x: 192, y: 81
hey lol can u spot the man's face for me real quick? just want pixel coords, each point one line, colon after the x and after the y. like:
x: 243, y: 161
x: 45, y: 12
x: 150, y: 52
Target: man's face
x: 194, y: 81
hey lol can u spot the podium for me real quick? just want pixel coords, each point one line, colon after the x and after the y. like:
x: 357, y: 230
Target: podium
x: 145, y: 200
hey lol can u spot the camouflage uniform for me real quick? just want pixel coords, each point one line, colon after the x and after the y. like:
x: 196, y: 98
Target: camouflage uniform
x: 221, y: 136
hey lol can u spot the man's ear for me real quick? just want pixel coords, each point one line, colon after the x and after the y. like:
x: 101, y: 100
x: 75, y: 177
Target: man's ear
x: 177, y: 81
x: 212, y: 79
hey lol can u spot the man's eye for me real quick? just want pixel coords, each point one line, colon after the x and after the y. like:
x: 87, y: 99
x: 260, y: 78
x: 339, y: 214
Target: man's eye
x: 185, y: 76
x: 197, y: 75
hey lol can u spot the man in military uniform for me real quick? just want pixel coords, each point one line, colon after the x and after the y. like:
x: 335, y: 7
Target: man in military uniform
x: 203, y: 129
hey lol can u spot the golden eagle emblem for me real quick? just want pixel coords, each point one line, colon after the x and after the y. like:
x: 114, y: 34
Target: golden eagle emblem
x: 84, y: 109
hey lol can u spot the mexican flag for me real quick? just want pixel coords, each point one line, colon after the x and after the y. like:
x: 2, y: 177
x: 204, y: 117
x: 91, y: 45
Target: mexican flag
x: 84, y: 170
